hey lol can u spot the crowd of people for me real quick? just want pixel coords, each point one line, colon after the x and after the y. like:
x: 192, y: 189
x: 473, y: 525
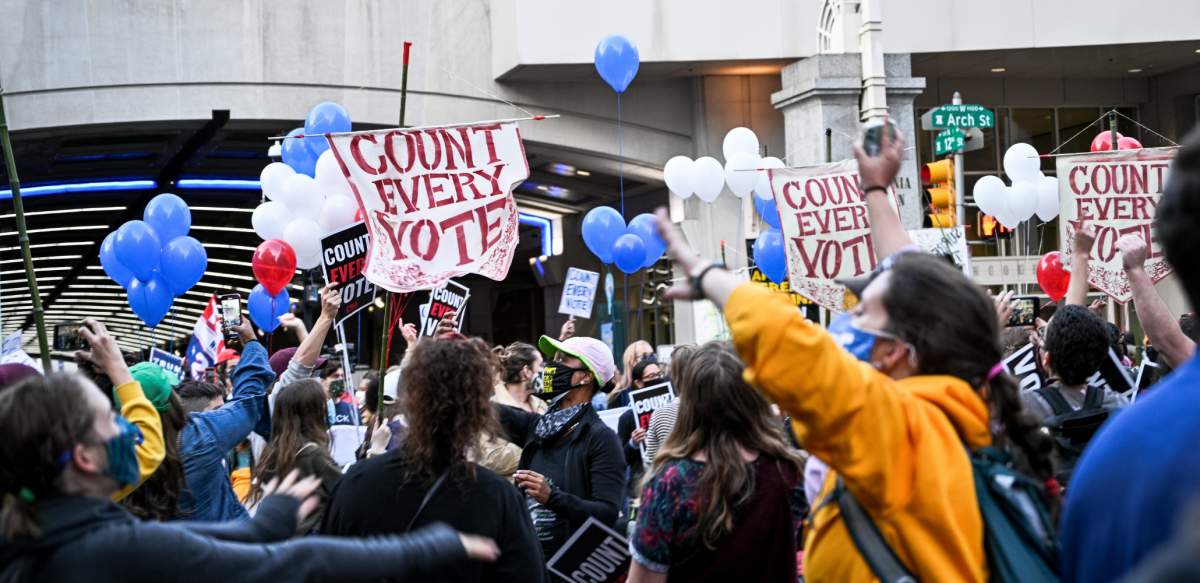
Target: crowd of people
x: 868, y: 450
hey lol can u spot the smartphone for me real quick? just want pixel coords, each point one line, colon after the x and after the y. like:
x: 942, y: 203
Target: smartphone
x: 872, y: 135
x: 210, y: 375
x: 1027, y: 311
x: 67, y: 337
x: 231, y: 314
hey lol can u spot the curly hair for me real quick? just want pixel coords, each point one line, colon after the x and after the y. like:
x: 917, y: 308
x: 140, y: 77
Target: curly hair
x: 444, y: 397
x: 514, y: 358
x: 93, y: 373
x: 1077, y: 342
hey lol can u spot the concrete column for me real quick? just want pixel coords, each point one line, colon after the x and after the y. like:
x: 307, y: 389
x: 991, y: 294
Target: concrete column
x: 875, y: 102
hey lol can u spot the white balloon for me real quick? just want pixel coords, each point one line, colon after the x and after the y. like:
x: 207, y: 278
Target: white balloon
x: 708, y: 178
x: 270, y: 219
x: 330, y: 180
x: 1004, y: 215
x: 304, y: 235
x: 763, y: 187
x: 302, y: 196
x: 737, y: 173
x: 272, y: 177
x: 308, y: 261
x: 1023, y: 200
x: 1021, y: 163
x: 678, y: 174
x: 336, y: 213
x: 1047, y: 189
x: 739, y: 140
x: 989, y: 194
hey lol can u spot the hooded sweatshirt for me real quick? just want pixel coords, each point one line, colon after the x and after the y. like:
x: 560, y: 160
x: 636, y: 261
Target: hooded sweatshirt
x: 898, y: 445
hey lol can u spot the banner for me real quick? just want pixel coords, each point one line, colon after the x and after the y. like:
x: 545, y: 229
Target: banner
x: 578, y: 293
x: 594, y: 554
x: 438, y: 201
x: 451, y: 296
x: 343, y: 255
x: 826, y: 232
x: 949, y: 241
x: 1118, y: 192
x: 646, y: 401
x: 170, y: 363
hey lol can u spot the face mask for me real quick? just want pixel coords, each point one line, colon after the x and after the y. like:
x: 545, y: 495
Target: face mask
x: 337, y: 388
x: 556, y: 379
x: 535, y: 384
x: 331, y: 410
x: 122, y: 453
x: 859, y: 341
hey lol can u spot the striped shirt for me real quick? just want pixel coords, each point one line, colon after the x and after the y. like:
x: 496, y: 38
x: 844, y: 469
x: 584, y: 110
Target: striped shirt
x: 661, y: 424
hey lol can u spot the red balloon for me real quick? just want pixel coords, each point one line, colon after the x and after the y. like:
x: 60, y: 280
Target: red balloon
x: 1128, y: 144
x: 274, y: 265
x: 1052, y: 277
x: 1103, y: 142
x: 358, y: 215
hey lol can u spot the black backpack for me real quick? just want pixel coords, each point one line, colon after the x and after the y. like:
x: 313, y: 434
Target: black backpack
x: 1072, y: 429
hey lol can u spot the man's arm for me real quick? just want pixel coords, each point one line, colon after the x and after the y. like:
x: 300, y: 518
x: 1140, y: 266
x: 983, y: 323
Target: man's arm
x: 1085, y: 238
x: 310, y: 349
x: 1161, y: 327
x: 877, y: 172
x: 290, y: 322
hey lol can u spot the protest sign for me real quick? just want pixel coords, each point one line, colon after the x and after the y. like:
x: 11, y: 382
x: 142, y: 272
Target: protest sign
x: 437, y: 200
x: 12, y: 353
x: 1145, y: 377
x: 1112, y: 374
x: 170, y: 363
x: 1118, y: 193
x: 1022, y: 365
x: 826, y: 232
x: 612, y: 417
x: 451, y: 296
x: 594, y: 554
x: 578, y: 293
x: 343, y: 256
x: 948, y: 241
x: 646, y: 401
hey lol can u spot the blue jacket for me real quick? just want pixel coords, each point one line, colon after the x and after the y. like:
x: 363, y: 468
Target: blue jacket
x: 210, y: 435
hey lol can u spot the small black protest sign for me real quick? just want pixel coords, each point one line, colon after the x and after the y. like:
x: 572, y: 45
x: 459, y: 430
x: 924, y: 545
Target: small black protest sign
x: 343, y: 256
x: 646, y: 401
x: 594, y: 554
x: 450, y: 297
x: 1112, y: 374
x: 1022, y: 364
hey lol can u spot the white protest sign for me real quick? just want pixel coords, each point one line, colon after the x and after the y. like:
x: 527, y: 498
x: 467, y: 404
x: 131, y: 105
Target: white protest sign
x: 438, y: 201
x: 950, y: 241
x: 578, y: 293
x: 12, y: 353
x: 1118, y: 193
x: 1022, y: 365
x: 826, y: 233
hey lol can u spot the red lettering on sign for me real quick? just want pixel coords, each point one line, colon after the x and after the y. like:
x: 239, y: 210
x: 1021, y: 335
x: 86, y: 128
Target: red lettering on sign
x: 1125, y: 203
x: 1107, y: 180
x: 808, y: 192
x: 1137, y: 183
x: 1139, y: 203
x: 494, y: 179
x: 802, y: 221
x: 390, y: 150
x: 437, y: 149
x: 853, y: 245
x: 491, y: 142
x: 841, y: 219
x: 410, y: 201
x: 1102, y: 206
x: 809, y: 264
x: 1071, y: 180
x: 393, y: 236
x: 1080, y: 213
x: 825, y: 223
x: 853, y: 188
x: 456, y: 222
x: 837, y: 260
x: 388, y: 203
x: 434, y: 238
x: 1106, y: 235
x: 1118, y: 188
x: 485, y: 228
x: 356, y: 153
x: 453, y: 145
x: 439, y: 188
x: 459, y: 180
x: 1159, y: 168
x: 787, y: 195
x: 860, y: 212
x: 825, y: 181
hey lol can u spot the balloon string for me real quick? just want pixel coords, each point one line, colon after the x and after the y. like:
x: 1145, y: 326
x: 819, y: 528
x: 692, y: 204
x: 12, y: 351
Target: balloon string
x: 172, y: 330
x: 640, y: 290
x: 621, y: 159
x: 141, y: 352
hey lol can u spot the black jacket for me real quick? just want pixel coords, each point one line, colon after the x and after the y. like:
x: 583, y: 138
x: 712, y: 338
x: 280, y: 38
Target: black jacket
x: 89, y: 539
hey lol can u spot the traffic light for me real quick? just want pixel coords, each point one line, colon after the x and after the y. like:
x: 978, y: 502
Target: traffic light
x: 990, y: 229
x: 938, y: 179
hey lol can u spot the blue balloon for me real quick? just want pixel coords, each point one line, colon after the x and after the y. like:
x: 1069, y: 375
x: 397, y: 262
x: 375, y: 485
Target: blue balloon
x: 768, y: 211
x: 297, y: 154
x: 629, y: 253
x: 169, y: 216
x: 644, y: 227
x: 265, y: 310
x: 601, y: 228
x: 184, y: 261
x: 150, y: 300
x: 138, y: 247
x: 108, y: 260
x: 325, y: 118
x: 617, y: 61
x: 770, y: 256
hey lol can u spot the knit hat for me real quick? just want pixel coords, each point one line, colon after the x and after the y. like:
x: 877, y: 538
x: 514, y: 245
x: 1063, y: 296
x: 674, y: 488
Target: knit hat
x: 156, y: 384
x: 279, y: 361
x: 15, y: 372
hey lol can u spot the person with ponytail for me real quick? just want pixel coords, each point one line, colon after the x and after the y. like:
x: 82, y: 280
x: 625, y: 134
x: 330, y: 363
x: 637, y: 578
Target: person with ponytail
x: 897, y: 425
x: 519, y: 367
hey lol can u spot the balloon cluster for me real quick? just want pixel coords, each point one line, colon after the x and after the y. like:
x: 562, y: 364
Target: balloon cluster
x: 309, y: 195
x: 1032, y: 192
x: 706, y: 177
x: 631, y: 247
x: 154, y: 259
x: 1103, y: 142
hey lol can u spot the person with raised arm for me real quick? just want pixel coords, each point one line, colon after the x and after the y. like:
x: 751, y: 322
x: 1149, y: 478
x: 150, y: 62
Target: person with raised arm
x: 1085, y: 239
x: 1161, y: 327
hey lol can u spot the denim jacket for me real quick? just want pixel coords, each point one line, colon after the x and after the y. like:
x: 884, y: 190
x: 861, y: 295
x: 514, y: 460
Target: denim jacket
x: 209, y: 435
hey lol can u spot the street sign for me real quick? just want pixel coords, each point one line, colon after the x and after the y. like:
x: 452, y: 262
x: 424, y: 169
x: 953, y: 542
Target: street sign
x: 948, y: 141
x: 961, y: 116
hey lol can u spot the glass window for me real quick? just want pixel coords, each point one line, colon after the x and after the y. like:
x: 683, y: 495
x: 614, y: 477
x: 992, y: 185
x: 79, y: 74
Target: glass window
x: 1036, y: 127
x: 983, y: 158
x: 651, y: 318
x: 1071, y: 121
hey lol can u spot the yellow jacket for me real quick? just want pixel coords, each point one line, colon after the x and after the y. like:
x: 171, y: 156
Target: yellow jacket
x: 898, y: 445
x: 139, y: 411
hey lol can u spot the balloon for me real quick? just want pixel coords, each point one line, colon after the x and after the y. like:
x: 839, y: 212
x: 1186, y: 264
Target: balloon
x: 330, y: 180
x: 302, y: 197
x: 274, y: 264
x: 184, y: 261
x: 708, y: 178
x: 325, y: 118
x: 272, y: 177
x: 309, y: 261
x: 297, y: 155
x: 304, y: 236
x: 1004, y: 214
x: 137, y: 247
x: 169, y: 216
x: 678, y: 174
x: 739, y: 140
x: 989, y: 194
x: 768, y: 211
x: 1052, y: 277
x: 1128, y: 144
x: 1021, y: 163
x: 645, y: 228
x: 108, y: 260
x: 739, y: 175
x: 150, y: 299
x: 1047, y: 189
x: 1103, y: 141
x: 601, y: 228
x: 617, y: 61
x: 629, y: 253
x: 763, y: 187
x: 769, y: 255
x: 269, y: 220
x: 337, y: 212
x: 1023, y: 200
x: 266, y: 309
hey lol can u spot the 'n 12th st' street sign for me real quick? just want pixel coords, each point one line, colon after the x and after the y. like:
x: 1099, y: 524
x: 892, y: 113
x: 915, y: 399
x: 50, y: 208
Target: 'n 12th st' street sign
x: 961, y: 116
x: 948, y: 141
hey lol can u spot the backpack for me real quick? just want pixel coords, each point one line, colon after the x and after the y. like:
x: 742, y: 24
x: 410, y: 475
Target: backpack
x: 1072, y: 429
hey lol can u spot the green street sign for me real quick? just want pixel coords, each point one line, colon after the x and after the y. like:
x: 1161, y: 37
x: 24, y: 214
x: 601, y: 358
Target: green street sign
x: 962, y: 116
x: 949, y: 141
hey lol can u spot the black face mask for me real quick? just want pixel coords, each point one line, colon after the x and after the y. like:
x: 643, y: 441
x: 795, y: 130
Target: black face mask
x: 556, y: 379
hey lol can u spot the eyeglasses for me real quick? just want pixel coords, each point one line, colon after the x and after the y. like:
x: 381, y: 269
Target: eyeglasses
x: 653, y: 376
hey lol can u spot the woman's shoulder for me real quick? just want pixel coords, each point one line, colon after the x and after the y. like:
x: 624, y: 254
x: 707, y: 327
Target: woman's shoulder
x: 678, y: 473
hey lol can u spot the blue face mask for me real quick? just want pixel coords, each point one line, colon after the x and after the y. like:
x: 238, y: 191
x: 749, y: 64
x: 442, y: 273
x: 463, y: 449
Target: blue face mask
x: 122, y: 453
x: 853, y: 339
x: 332, y: 411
